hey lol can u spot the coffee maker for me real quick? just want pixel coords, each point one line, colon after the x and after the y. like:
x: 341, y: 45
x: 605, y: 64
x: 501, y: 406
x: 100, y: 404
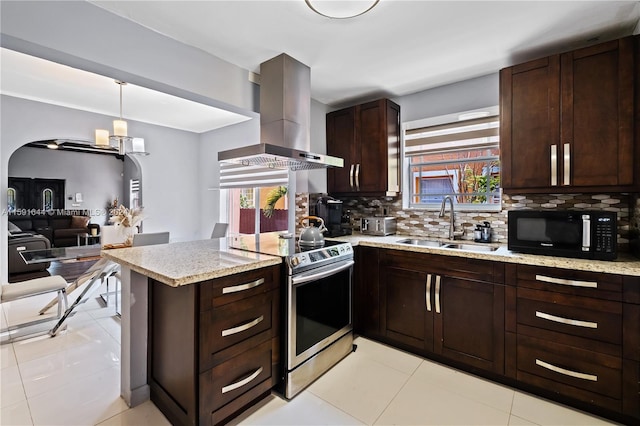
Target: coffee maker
x: 330, y: 210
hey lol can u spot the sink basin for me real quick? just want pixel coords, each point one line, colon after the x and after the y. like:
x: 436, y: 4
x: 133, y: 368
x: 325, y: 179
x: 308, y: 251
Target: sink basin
x: 422, y: 243
x: 470, y: 247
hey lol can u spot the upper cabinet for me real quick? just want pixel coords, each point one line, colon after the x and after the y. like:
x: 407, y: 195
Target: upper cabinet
x: 367, y: 137
x: 567, y: 121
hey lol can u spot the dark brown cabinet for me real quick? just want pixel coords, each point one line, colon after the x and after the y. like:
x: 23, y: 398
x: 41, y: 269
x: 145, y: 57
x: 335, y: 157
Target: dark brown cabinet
x: 567, y: 121
x: 449, y: 306
x: 568, y: 333
x: 366, y: 292
x: 214, y: 346
x: 367, y: 137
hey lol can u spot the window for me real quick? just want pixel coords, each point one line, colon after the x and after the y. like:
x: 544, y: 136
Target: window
x: 457, y: 156
x: 47, y: 199
x: 247, y: 198
x: 272, y: 215
x: 134, y: 193
x: 256, y: 198
x: 11, y: 199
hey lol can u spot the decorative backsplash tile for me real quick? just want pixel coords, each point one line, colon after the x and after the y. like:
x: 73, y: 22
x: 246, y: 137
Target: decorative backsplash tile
x: 426, y: 223
x: 302, y: 208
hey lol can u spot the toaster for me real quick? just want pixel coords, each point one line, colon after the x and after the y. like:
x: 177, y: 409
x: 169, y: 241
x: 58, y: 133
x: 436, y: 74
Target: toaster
x: 378, y: 225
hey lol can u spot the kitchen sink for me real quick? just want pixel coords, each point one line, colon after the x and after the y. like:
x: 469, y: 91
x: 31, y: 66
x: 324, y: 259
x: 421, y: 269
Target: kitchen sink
x: 447, y: 245
x: 421, y: 243
x: 470, y: 247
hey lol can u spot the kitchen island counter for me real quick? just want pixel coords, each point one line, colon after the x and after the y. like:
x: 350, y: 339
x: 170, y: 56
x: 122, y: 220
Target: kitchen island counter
x: 183, y: 263
x: 624, y: 265
x: 178, y: 266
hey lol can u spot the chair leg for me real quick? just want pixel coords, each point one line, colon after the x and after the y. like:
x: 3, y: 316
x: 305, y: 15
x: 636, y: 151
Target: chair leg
x: 106, y: 298
x: 60, y: 303
x: 117, y: 300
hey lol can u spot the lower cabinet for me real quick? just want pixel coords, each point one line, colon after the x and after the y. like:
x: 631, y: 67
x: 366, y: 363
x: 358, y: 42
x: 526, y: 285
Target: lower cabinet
x: 567, y: 335
x: 576, y: 335
x: 214, y: 345
x: 452, y: 307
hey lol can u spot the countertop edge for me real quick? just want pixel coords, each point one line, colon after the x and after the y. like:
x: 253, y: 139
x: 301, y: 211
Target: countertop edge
x: 258, y: 261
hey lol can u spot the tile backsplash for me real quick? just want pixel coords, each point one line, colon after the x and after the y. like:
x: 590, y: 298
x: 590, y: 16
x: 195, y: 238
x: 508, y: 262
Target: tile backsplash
x: 426, y: 223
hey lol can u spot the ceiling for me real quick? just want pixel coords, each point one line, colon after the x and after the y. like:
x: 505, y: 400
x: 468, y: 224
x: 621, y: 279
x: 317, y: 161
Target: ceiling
x: 398, y: 48
x: 36, y: 79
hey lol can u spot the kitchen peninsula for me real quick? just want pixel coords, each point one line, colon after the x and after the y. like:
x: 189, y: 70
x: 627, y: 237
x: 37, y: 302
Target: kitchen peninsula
x: 169, y: 293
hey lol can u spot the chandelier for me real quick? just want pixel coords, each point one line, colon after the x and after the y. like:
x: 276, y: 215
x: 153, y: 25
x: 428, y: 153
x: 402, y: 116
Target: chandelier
x: 339, y: 9
x: 120, y: 139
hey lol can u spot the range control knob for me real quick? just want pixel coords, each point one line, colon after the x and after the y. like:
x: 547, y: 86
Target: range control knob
x: 295, y: 261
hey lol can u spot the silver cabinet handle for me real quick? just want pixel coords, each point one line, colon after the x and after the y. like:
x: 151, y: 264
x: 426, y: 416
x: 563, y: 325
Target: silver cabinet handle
x: 242, y: 287
x: 562, y: 281
x: 567, y: 164
x: 554, y: 165
x: 437, y: 294
x: 578, y: 323
x: 428, y: 293
x: 351, y: 176
x: 586, y: 232
x: 358, y: 177
x: 566, y: 372
x: 242, y: 382
x: 243, y: 327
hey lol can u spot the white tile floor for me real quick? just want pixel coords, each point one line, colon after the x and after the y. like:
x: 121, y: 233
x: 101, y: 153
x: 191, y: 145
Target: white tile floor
x: 73, y: 379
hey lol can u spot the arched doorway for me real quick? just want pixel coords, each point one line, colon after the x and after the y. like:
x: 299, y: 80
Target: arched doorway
x: 45, y: 184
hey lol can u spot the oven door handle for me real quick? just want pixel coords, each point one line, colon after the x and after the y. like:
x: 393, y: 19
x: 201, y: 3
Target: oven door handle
x: 305, y: 278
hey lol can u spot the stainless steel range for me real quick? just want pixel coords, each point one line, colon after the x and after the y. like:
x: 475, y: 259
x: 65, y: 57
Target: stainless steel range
x: 317, y: 323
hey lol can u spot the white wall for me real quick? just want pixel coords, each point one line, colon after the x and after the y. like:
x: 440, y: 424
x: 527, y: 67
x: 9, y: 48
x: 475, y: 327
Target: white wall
x: 466, y: 95
x: 170, y: 184
x: 317, y: 179
x: 97, y: 177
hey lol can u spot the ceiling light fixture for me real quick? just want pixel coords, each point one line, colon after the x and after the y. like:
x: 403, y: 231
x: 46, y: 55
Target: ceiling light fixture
x: 120, y: 138
x: 53, y: 145
x: 338, y: 9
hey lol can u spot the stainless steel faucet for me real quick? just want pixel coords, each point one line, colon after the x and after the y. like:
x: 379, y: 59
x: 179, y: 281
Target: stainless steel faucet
x: 452, y: 233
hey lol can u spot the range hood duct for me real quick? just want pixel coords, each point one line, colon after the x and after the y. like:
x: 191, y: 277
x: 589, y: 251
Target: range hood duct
x: 285, y: 115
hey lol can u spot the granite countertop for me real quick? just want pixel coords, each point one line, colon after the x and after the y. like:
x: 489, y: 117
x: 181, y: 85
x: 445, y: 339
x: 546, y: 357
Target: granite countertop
x: 182, y: 263
x: 624, y: 265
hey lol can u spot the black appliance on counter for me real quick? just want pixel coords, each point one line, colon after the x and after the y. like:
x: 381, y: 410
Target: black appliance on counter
x: 330, y: 210
x: 580, y: 234
x: 317, y: 326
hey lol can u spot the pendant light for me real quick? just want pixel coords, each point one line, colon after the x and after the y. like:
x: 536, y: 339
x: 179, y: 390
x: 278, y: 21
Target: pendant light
x: 120, y: 138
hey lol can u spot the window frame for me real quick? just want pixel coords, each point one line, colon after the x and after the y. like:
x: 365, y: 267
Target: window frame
x: 408, y: 175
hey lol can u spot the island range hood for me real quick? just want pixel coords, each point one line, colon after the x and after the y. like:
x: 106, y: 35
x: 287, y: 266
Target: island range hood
x: 285, y: 105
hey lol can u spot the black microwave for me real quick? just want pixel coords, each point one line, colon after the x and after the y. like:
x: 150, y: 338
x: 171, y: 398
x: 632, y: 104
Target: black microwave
x: 581, y: 234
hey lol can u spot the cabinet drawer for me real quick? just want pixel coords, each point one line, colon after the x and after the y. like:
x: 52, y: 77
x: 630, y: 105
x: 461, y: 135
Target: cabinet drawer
x: 472, y: 269
x: 570, y: 371
x: 579, y: 283
x: 576, y: 316
x: 235, y: 287
x: 229, y: 324
x: 234, y: 378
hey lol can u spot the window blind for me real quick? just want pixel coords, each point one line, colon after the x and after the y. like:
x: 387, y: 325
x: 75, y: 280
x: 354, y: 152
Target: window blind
x: 239, y: 176
x: 474, y: 133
